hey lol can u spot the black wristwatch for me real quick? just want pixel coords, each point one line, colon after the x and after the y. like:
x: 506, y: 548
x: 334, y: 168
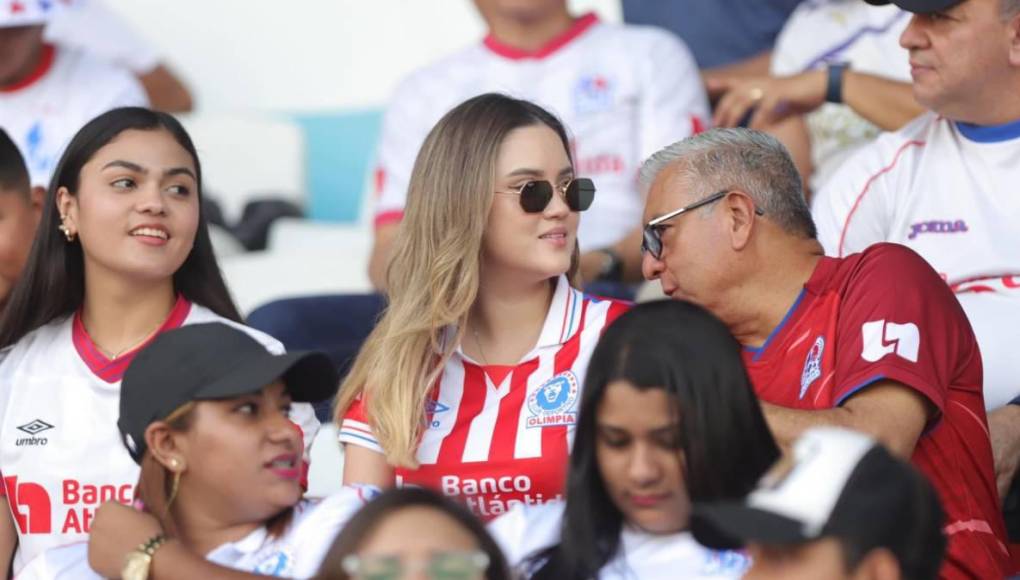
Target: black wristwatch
x: 612, y: 266
x: 834, y: 88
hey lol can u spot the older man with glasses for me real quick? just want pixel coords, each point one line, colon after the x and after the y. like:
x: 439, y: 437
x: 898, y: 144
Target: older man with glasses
x: 874, y: 341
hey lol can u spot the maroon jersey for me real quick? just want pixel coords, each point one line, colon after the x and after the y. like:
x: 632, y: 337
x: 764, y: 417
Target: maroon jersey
x: 885, y: 315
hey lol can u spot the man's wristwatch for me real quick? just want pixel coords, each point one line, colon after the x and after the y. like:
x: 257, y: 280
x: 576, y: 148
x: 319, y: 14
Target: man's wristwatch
x: 834, y: 86
x: 612, y: 265
x: 138, y: 562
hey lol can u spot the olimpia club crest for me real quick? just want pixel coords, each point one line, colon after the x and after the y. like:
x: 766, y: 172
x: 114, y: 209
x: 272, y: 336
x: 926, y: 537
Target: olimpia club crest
x: 555, y: 402
x: 812, y: 366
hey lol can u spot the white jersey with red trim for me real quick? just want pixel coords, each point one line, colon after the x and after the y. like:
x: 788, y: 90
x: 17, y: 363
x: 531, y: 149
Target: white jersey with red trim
x: 528, y: 530
x: 61, y: 453
x: 864, y: 37
x: 91, y: 26
x: 297, y: 553
x: 622, y: 91
x: 500, y: 436
x: 68, y: 89
x: 946, y: 190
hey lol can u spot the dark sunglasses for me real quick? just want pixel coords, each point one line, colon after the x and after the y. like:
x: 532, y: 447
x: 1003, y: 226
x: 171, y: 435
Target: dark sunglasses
x: 651, y: 239
x: 536, y: 195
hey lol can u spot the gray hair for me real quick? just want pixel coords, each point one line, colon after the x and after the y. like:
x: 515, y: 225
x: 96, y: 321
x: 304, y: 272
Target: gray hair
x: 751, y: 161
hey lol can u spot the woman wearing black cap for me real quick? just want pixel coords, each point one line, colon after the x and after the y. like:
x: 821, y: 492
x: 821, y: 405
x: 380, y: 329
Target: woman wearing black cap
x: 122, y: 254
x: 667, y: 417
x: 204, y: 412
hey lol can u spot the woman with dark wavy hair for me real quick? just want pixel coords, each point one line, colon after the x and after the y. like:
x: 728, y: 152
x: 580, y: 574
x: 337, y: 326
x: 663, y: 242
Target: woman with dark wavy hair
x: 667, y: 417
x: 122, y: 254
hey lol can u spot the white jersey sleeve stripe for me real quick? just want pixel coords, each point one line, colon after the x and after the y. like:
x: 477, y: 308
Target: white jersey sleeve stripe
x: 867, y: 186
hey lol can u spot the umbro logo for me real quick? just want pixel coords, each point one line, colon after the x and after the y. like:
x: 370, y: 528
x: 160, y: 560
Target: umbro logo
x: 33, y: 429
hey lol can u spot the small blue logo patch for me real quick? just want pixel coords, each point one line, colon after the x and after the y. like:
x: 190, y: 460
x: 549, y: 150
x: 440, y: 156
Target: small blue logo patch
x: 593, y: 94
x: 554, y: 402
x: 726, y: 562
x: 276, y: 564
x: 812, y: 366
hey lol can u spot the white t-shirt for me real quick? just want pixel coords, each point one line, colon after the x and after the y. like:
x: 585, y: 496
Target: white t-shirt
x: 841, y: 31
x: 948, y: 191
x: 61, y: 453
x: 69, y: 89
x: 297, y: 553
x: 91, y: 26
x: 623, y: 92
x: 528, y: 530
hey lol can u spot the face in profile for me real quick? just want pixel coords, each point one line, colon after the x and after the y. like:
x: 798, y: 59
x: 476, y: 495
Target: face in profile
x: 136, y: 211
x: 19, y: 217
x: 418, y: 542
x: 522, y: 245
x: 243, y: 457
x: 955, y: 53
x: 640, y: 458
x: 692, y: 263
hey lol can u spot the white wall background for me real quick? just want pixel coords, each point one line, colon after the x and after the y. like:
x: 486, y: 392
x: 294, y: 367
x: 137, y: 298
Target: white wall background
x: 306, y: 55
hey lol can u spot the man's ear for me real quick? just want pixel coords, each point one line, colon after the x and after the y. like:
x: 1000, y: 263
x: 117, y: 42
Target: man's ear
x: 166, y: 446
x: 36, y: 198
x: 1013, y: 32
x: 739, y: 208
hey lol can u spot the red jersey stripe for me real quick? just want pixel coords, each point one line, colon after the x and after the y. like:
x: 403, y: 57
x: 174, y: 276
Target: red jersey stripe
x: 471, y: 404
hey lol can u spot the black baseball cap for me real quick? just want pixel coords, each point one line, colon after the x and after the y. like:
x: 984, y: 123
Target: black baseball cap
x: 210, y: 361
x: 918, y: 6
x: 837, y: 483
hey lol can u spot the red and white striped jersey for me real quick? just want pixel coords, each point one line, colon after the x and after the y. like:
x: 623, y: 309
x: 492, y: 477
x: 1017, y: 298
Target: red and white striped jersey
x: 499, y: 436
x: 61, y: 454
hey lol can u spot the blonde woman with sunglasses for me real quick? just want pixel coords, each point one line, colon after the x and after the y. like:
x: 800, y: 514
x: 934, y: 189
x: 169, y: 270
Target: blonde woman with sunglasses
x: 469, y: 384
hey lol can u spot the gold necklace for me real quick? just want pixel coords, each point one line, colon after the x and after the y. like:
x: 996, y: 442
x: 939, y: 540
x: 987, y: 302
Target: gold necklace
x: 128, y: 348
x: 481, y: 351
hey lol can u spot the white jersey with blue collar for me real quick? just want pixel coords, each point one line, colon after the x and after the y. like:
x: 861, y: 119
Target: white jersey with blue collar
x: 948, y: 191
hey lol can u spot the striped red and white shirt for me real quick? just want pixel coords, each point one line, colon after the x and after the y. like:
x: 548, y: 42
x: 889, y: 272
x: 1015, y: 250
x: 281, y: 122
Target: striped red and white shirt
x: 501, y: 435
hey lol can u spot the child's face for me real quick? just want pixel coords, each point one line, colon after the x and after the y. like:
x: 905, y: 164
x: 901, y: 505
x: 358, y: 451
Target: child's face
x: 19, y: 217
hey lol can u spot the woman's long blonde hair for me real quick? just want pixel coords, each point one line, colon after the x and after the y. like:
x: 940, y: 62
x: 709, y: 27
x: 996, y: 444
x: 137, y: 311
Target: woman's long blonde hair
x: 433, y: 275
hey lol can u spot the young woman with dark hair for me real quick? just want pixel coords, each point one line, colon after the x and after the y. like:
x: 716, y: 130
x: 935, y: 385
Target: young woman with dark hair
x: 385, y: 540
x: 667, y: 417
x: 122, y: 253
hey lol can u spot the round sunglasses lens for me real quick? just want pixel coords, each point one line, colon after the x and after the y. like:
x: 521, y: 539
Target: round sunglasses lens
x: 535, y: 195
x: 580, y: 194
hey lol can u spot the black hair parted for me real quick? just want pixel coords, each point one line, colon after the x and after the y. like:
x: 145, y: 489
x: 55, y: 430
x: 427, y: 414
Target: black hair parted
x: 53, y: 283
x: 680, y: 348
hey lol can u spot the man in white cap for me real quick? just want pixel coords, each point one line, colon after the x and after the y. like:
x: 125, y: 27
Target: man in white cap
x: 48, y: 93
x: 841, y: 506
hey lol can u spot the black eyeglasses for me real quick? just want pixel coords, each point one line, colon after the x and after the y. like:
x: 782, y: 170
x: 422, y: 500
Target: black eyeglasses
x: 652, y: 235
x: 536, y: 195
